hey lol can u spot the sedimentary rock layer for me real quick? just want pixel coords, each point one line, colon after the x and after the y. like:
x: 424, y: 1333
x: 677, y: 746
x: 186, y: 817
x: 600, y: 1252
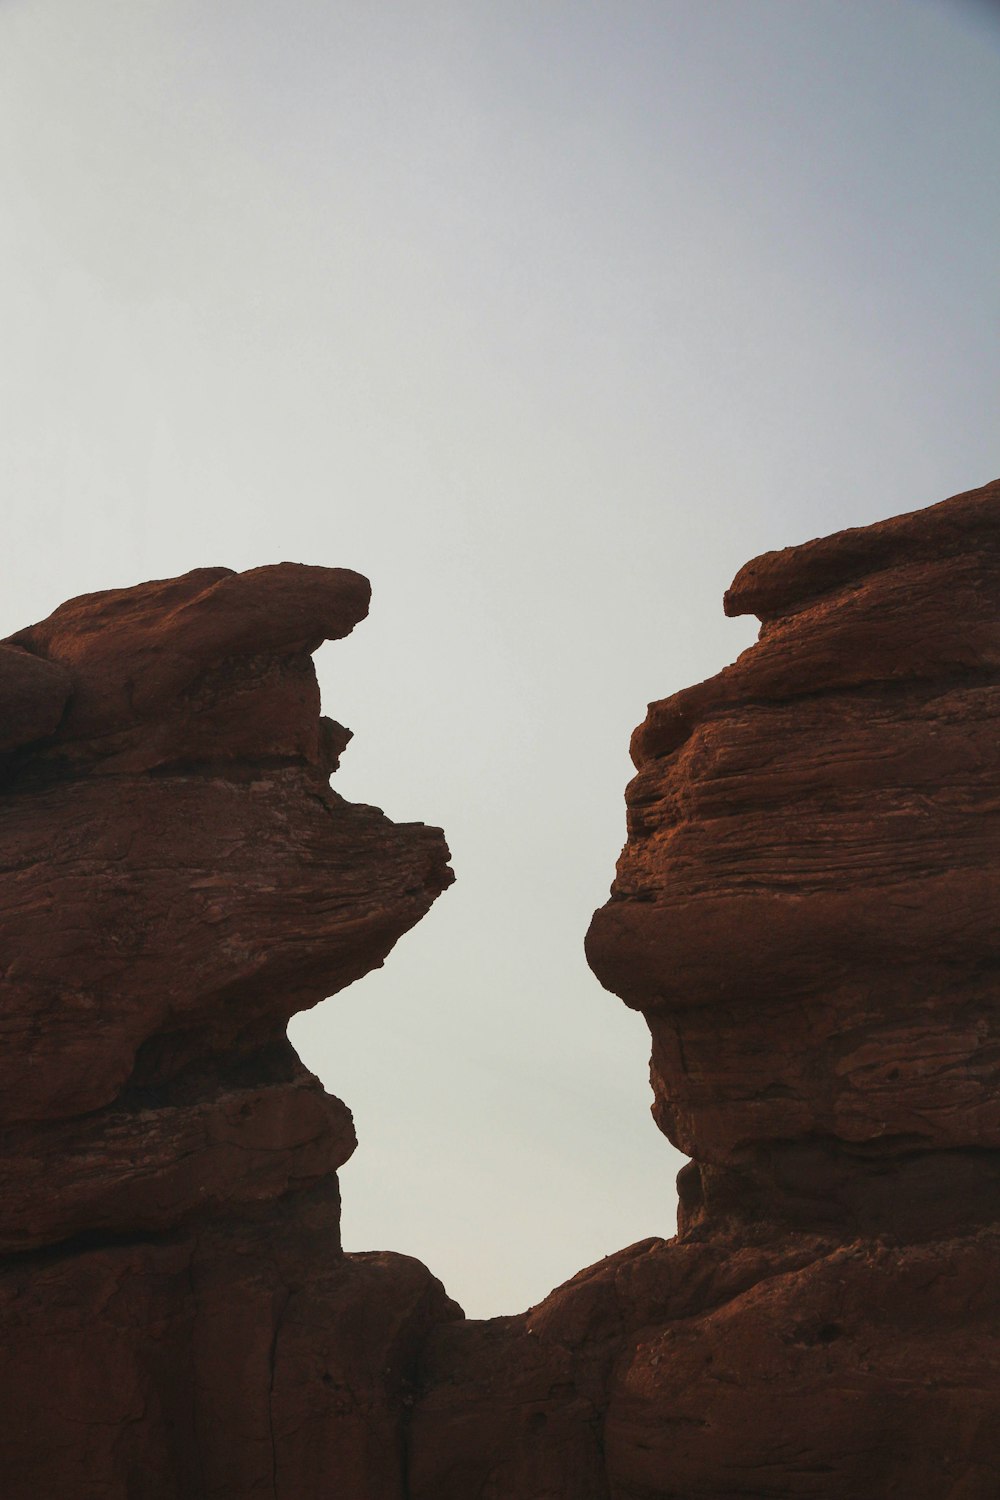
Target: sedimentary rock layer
x: 806, y: 912
x: 177, y: 880
x: 806, y: 909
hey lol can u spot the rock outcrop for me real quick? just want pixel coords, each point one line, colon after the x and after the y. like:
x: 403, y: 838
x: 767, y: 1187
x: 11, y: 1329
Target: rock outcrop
x: 178, y: 879
x: 807, y: 907
x: 807, y: 912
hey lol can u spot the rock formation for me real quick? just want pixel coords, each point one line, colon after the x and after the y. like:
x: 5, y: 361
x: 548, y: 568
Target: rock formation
x: 178, y: 879
x: 807, y: 912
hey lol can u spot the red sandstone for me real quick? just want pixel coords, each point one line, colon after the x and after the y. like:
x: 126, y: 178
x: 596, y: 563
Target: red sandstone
x: 806, y: 914
x: 179, y: 879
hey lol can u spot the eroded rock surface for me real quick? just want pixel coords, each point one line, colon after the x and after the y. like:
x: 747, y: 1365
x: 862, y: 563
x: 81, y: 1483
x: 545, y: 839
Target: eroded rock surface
x: 178, y: 879
x: 807, y: 907
x: 807, y: 912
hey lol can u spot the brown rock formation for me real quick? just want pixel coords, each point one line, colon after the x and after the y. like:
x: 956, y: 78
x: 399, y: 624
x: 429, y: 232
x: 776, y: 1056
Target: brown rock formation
x: 178, y: 879
x: 806, y: 909
x: 807, y: 912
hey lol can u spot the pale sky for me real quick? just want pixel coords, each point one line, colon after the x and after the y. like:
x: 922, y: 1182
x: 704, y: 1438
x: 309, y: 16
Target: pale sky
x: 545, y: 316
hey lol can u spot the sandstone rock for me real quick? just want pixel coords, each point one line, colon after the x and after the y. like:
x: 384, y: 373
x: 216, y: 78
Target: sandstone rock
x: 142, y: 659
x: 178, y: 879
x: 33, y: 694
x: 249, y: 1359
x: 806, y: 914
x: 806, y: 907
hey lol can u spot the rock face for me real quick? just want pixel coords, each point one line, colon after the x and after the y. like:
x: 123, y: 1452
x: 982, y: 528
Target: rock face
x: 178, y: 879
x: 807, y: 907
x: 807, y: 912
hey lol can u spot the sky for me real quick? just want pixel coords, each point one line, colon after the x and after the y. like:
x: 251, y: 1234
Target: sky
x: 546, y: 317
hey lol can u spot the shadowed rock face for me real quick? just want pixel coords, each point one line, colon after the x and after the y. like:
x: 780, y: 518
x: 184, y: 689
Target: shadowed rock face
x: 806, y: 909
x: 177, y: 880
x: 807, y: 912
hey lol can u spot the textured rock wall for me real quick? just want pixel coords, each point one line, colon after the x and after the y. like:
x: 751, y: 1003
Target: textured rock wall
x: 806, y: 909
x: 807, y: 912
x: 177, y: 880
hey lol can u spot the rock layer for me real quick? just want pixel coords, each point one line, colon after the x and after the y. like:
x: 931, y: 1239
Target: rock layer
x: 806, y: 909
x: 178, y: 879
x: 806, y: 914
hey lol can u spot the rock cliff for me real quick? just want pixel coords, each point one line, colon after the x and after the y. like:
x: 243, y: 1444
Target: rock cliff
x: 806, y: 913
x: 177, y: 880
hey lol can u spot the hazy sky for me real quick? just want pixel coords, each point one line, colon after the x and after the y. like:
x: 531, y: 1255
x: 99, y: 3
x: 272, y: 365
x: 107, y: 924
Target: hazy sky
x: 546, y: 316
